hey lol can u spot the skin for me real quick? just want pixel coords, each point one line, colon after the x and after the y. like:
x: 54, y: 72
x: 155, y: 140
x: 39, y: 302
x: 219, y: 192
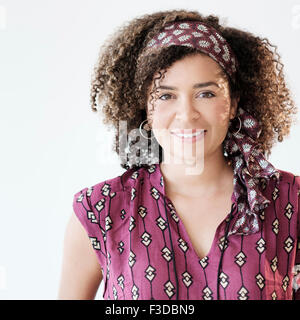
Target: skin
x: 185, y: 107
x: 81, y: 272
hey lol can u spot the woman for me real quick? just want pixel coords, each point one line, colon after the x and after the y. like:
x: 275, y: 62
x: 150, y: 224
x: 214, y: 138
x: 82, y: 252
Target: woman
x: 199, y: 212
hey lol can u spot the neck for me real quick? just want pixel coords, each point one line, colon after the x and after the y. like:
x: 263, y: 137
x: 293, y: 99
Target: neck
x: 215, y: 177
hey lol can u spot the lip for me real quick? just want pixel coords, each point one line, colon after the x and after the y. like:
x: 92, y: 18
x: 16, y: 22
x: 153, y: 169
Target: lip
x: 188, y: 131
x: 201, y: 134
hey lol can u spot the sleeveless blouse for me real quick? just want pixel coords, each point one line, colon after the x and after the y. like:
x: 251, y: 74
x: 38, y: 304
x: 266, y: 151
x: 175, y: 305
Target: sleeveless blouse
x: 145, y: 252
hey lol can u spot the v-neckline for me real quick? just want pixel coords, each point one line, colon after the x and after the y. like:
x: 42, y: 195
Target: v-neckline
x: 157, y: 181
x: 186, y: 236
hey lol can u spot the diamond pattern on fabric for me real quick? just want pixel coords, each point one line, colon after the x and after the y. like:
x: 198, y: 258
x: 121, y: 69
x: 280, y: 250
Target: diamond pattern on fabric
x: 144, y: 253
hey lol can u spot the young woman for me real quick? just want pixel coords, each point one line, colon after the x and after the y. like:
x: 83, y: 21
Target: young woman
x: 199, y: 212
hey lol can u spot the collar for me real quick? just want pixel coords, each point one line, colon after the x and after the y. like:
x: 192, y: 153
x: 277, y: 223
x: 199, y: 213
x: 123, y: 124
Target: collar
x: 243, y: 222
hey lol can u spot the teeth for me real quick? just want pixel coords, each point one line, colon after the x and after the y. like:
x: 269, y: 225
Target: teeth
x: 188, y: 135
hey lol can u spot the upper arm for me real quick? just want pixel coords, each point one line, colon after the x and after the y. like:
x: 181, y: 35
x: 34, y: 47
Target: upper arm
x: 81, y: 272
x: 296, y: 267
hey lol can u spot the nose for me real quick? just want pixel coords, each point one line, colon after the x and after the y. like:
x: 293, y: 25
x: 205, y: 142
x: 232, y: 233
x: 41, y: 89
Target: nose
x: 186, y: 111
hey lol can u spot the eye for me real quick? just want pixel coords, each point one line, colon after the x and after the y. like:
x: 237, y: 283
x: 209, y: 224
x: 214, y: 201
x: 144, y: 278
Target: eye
x: 208, y: 92
x: 165, y: 95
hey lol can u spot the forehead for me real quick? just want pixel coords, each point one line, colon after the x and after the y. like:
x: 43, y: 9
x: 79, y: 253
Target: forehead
x: 192, y: 68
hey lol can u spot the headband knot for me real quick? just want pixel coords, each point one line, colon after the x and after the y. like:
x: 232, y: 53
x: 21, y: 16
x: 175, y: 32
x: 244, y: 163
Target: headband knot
x: 252, y: 172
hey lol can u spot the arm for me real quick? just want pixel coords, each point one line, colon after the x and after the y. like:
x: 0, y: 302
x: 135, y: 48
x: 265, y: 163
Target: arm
x: 81, y: 272
x: 296, y: 269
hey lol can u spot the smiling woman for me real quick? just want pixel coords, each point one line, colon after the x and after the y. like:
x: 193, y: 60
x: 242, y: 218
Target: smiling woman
x: 208, y: 216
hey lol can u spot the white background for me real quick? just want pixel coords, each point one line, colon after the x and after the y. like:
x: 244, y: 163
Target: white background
x: 52, y: 144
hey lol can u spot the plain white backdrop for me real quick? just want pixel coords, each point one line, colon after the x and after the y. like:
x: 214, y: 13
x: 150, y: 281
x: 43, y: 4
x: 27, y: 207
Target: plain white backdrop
x: 52, y: 144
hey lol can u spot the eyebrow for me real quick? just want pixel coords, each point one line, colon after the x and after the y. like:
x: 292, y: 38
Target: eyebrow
x: 195, y: 86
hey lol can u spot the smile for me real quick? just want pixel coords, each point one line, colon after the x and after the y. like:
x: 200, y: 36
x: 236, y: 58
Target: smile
x: 190, y: 137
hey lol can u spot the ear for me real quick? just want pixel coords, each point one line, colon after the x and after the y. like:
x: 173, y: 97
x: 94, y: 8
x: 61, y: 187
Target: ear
x: 234, y: 106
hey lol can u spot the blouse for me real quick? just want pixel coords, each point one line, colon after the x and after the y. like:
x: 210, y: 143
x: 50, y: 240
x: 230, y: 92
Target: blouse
x: 145, y: 252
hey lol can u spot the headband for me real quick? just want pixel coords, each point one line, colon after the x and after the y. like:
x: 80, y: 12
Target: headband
x: 198, y: 35
x: 252, y: 172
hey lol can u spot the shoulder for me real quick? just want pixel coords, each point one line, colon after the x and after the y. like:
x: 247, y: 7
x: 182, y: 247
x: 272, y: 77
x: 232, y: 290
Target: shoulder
x: 287, y: 189
x: 290, y: 178
x: 112, y: 187
x: 124, y: 182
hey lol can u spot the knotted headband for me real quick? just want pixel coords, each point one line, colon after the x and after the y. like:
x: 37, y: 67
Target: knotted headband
x: 251, y: 173
x: 196, y: 34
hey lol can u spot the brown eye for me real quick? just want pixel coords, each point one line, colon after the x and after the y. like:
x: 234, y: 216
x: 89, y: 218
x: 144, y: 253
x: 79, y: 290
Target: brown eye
x: 208, y: 93
x: 164, y: 95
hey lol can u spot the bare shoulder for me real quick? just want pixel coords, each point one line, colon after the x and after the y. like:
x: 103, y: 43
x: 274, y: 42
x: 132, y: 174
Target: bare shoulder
x: 81, y: 272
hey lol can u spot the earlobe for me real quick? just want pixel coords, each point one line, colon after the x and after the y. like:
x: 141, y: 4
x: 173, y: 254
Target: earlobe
x: 234, y: 107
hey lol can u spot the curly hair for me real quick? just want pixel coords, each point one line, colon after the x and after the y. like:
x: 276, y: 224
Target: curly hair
x: 121, y: 76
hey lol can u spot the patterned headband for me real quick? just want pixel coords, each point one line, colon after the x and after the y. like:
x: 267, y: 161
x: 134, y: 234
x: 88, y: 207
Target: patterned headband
x: 197, y: 35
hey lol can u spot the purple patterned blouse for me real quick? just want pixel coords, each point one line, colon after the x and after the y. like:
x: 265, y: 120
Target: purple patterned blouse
x: 145, y: 252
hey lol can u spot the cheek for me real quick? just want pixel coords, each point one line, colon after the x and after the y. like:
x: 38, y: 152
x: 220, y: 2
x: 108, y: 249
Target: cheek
x: 159, y: 116
x: 219, y: 121
x: 162, y: 136
x: 220, y: 114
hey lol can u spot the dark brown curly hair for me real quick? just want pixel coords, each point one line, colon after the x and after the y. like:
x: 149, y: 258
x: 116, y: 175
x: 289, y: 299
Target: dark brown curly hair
x: 121, y: 78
